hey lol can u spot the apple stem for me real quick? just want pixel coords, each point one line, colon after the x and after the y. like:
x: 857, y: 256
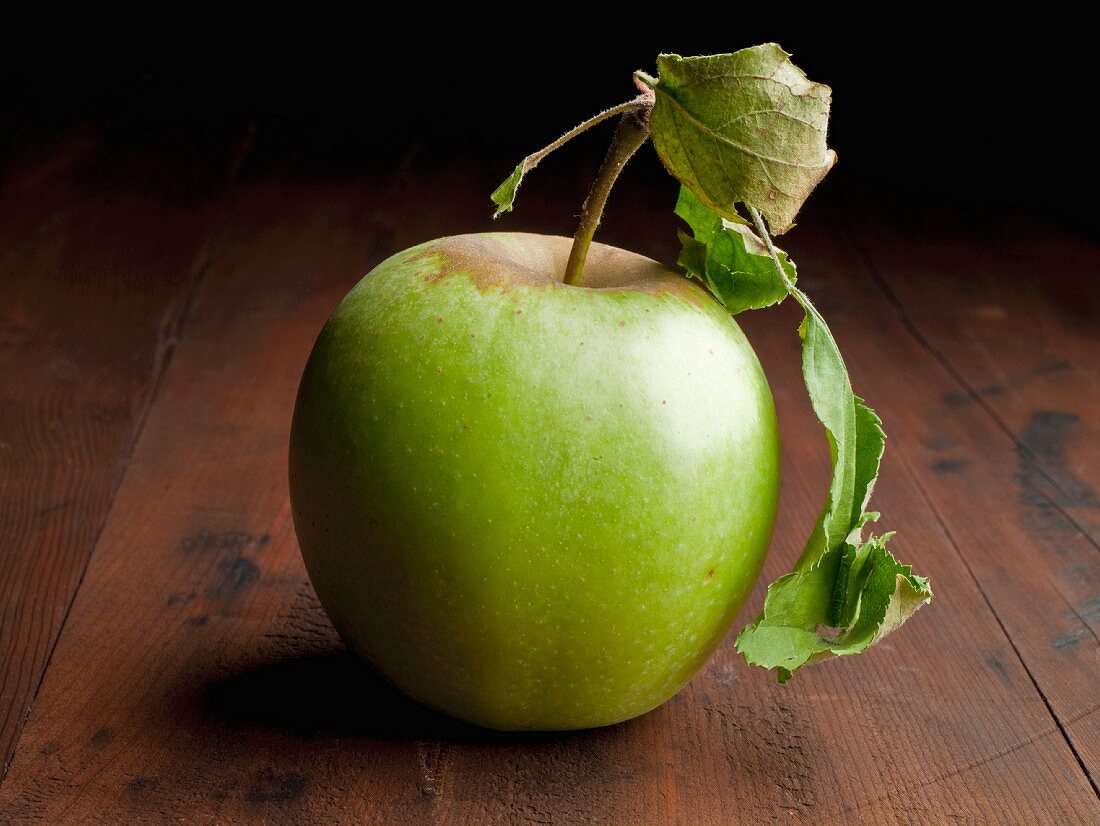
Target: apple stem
x: 632, y: 132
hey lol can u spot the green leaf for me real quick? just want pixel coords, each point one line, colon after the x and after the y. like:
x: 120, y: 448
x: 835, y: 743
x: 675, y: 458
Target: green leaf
x: 833, y: 401
x: 839, y: 582
x: 747, y: 127
x: 877, y: 595
x: 729, y: 258
x: 870, y: 445
x: 505, y: 194
x: 844, y: 594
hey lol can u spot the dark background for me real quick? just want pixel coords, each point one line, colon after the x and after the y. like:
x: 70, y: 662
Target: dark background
x: 924, y: 106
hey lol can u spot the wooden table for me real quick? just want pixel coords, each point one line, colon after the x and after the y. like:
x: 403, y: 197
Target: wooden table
x: 162, y: 656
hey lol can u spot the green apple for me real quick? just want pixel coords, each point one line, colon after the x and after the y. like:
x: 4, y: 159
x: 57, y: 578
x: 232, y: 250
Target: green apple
x: 532, y: 505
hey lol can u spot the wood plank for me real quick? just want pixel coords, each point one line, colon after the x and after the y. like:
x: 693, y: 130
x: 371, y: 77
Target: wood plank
x: 198, y: 680
x: 1014, y: 413
x: 94, y: 266
x: 1021, y: 333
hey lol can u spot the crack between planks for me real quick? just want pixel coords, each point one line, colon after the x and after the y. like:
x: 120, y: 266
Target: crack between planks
x: 174, y: 319
x: 1061, y: 727
x: 172, y: 323
x: 955, y: 772
x: 972, y: 393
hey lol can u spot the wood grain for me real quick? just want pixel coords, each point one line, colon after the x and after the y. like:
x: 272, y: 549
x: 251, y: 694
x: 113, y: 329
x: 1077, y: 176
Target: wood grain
x: 1003, y: 312
x: 94, y: 272
x: 198, y: 680
x: 1009, y: 307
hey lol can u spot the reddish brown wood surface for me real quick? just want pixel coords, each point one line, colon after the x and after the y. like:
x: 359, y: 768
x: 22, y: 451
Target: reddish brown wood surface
x: 96, y: 255
x: 196, y: 679
x: 1007, y: 304
x: 1006, y: 311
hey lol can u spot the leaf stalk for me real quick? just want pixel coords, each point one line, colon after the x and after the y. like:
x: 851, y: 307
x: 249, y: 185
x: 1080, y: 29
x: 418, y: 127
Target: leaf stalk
x: 765, y: 236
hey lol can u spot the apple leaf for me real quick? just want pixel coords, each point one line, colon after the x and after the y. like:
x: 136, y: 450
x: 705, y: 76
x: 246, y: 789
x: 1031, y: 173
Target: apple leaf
x: 861, y: 592
x: 856, y: 439
x: 844, y: 594
x: 870, y: 445
x: 729, y: 259
x: 505, y: 194
x: 747, y: 127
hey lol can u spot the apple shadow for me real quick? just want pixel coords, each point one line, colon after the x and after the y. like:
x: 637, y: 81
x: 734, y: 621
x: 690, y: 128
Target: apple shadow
x: 336, y: 694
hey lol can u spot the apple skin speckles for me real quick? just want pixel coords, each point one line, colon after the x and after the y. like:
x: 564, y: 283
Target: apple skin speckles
x: 572, y: 557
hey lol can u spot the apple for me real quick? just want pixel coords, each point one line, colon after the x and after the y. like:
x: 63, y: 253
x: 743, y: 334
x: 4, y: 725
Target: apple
x: 532, y: 505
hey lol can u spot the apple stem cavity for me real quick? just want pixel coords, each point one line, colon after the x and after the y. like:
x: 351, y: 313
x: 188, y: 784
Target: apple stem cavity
x: 632, y: 132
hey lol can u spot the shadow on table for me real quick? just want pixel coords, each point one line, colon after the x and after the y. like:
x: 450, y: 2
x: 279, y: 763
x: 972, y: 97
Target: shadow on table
x: 334, y: 693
